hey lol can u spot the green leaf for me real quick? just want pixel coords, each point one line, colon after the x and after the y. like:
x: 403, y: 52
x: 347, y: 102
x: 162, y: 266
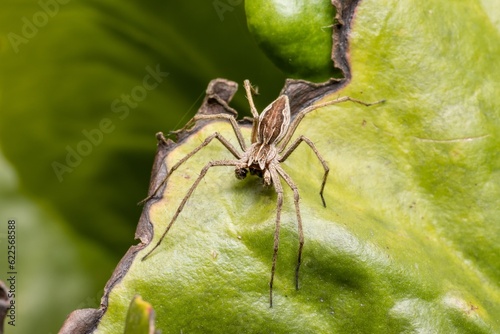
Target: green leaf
x: 409, y: 240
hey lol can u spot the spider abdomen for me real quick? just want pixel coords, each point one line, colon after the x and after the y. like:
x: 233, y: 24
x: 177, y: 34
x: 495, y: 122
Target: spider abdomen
x: 274, y: 121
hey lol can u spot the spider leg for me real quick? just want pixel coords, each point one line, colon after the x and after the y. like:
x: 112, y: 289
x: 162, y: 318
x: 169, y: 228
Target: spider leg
x: 230, y: 118
x: 188, y: 195
x: 305, y: 111
x: 279, y: 205
x: 292, y: 148
x: 296, y: 199
x: 248, y: 90
x: 216, y: 135
x: 255, y: 114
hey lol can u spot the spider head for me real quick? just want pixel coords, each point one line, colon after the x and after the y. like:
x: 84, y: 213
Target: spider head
x: 240, y: 173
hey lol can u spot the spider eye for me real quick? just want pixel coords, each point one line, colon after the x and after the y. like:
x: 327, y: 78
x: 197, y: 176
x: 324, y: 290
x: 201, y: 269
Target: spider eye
x: 240, y: 173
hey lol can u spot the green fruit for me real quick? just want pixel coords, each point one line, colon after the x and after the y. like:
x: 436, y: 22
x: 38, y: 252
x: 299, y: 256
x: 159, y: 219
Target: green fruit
x: 295, y: 35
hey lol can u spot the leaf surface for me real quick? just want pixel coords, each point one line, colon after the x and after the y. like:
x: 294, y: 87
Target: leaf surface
x: 409, y: 240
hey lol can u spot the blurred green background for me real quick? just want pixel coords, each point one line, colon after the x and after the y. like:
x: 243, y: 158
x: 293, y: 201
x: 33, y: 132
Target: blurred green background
x: 79, y: 108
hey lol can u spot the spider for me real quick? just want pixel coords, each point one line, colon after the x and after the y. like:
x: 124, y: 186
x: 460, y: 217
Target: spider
x: 272, y: 131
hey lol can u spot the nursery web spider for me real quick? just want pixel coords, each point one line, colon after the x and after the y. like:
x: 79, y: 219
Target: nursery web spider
x: 271, y: 133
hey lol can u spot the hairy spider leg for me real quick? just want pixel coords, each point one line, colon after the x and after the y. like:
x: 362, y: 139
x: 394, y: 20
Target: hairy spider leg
x: 255, y: 114
x: 188, y: 195
x: 292, y: 148
x: 207, y: 140
x: 230, y: 118
x: 296, y: 199
x: 279, y: 190
x: 295, y: 123
x: 248, y: 90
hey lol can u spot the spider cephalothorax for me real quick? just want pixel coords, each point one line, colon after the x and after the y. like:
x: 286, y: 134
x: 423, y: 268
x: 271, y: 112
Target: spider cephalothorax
x: 272, y: 130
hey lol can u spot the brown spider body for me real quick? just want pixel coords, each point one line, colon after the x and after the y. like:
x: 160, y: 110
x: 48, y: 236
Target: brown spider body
x: 272, y: 130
